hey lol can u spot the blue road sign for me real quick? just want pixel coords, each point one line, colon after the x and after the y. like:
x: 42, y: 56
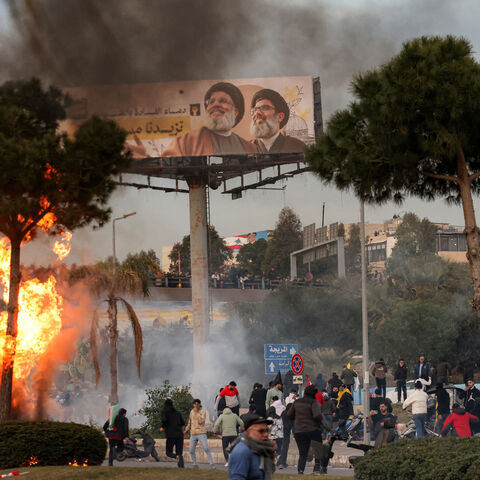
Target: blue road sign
x: 277, y: 351
x: 273, y: 366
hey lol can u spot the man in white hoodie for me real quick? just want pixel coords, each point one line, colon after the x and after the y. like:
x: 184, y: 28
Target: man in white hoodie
x: 418, y: 401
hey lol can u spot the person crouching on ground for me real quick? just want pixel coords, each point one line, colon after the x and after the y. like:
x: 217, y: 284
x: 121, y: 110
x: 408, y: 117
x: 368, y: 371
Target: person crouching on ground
x: 172, y: 423
x: 459, y: 422
x: 228, y: 422
x: 252, y: 456
x: 197, y: 426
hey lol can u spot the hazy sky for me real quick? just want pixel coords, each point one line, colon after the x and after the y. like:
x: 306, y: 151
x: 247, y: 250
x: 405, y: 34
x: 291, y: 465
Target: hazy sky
x: 72, y: 42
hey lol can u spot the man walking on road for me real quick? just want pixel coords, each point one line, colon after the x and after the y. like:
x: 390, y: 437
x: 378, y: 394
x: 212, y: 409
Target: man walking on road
x: 418, y: 401
x: 172, y: 423
x: 307, y: 415
x: 228, y: 424
x: 197, y: 426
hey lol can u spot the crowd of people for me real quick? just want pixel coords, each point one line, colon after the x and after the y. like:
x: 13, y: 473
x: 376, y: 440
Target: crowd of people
x: 257, y: 442
x: 240, y: 279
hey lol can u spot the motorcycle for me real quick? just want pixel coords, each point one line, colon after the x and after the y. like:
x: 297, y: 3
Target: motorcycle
x: 132, y: 451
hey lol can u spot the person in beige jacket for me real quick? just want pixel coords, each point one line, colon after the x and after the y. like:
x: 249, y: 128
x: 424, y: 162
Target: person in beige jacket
x: 418, y: 401
x: 198, y: 432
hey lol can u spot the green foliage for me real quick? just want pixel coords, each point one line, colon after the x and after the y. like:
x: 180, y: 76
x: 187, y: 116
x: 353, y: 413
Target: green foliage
x: 286, y: 238
x: 217, y: 250
x: 428, y: 326
x: 153, y: 406
x: 414, y: 237
x: 406, y: 125
x: 312, y: 317
x: 427, y: 458
x: 145, y: 265
x: 74, y: 175
x: 412, y: 130
x: 251, y: 256
x: 326, y: 360
x: 353, y: 250
x: 425, y: 304
x: 52, y: 443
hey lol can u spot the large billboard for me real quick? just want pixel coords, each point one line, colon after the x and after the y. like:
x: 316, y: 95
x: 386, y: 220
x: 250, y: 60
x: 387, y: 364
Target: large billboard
x: 201, y: 118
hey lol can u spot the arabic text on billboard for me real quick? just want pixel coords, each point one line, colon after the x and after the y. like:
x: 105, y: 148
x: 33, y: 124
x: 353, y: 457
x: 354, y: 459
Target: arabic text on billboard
x: 196, y: 118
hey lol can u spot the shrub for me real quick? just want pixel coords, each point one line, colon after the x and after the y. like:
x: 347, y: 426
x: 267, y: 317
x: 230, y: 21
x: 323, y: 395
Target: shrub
x: 449, y: 458
x: 153, y: 406
x: 50, y: 443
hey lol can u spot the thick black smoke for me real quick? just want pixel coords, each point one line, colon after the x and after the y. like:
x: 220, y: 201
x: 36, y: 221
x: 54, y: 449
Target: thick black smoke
x: 75, y: 42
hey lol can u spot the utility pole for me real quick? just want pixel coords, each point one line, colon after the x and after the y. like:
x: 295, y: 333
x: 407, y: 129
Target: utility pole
x: 366, y: 373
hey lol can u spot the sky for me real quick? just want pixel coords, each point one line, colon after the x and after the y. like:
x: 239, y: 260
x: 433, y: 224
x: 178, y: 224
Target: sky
x: 75, y: 42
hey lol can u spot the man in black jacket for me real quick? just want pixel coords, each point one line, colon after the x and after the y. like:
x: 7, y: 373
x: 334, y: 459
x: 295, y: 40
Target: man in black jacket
x: 401, y: 378
x: 116, y: 435
x: 344, y: 404
x: 258, y: 398
x: 471, y: 398
x: 422, y: 370
x: 443, y: 406
x: 308, y: 418
x: 172, y: 423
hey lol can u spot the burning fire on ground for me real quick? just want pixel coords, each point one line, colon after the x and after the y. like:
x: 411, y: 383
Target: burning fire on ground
x: 40, y: 308
x: 76, y: 464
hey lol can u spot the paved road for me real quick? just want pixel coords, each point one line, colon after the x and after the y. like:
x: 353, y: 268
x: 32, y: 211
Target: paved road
x: 292, y: 470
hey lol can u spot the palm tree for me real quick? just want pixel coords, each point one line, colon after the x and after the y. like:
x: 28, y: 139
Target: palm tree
x: 327, y: 360
x: 103, y: 279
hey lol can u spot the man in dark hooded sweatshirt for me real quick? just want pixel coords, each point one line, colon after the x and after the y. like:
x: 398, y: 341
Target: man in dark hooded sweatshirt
x: 334, y: 382
x: 307, y: 415
x: 258, y: 397
x: 116, y: 435
x: 172, y: 425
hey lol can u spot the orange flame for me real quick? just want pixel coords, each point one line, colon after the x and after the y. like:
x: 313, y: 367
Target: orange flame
x: 76, y: 464
x: 62, y: 247
x: 40, y: 309
x: 32, y: 461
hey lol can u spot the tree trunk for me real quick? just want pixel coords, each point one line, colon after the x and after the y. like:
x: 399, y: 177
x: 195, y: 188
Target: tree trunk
x: 471, y: 230
x: 9, y: 351
x: 113, y: 336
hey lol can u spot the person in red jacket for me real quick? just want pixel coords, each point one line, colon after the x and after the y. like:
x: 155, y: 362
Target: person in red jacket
x: 319, y: 397
x: 459, y: 421
x: 231, y: 396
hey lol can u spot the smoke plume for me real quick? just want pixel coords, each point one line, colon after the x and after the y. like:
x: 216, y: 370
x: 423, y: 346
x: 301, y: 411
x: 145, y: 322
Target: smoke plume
x: 75, y: 42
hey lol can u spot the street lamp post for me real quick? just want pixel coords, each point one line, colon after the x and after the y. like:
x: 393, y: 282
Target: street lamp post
x: 366, y: 373
x: 114, y: 251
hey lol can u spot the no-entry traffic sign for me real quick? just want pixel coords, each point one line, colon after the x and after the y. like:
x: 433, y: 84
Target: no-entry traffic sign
x: 297, y: 364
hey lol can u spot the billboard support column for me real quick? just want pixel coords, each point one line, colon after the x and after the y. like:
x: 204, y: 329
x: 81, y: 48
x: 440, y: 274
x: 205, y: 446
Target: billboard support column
x: 199, y: 260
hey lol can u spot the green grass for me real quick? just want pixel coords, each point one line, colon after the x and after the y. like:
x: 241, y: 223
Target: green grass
x: 126, y: 473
